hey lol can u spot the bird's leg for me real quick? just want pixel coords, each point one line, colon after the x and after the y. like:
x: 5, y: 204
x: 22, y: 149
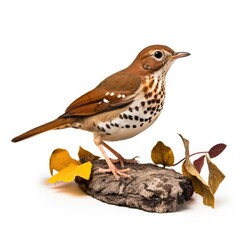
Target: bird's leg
x: 120, y: 158
x: 116, y: 172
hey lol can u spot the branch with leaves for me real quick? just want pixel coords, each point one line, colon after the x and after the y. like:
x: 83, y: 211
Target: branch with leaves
x: 162, y: 154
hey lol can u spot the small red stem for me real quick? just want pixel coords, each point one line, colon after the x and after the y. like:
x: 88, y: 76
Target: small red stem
x: 189, y: 156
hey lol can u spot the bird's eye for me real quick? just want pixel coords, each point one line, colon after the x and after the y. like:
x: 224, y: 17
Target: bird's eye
x: 158, y: 54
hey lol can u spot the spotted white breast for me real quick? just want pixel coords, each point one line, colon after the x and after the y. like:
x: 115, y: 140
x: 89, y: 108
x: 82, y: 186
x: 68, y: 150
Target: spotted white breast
x: 137, y: 116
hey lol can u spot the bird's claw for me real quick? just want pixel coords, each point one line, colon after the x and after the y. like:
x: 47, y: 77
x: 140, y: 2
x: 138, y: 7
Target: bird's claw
x: 116, y: 172
x: 123, y: 160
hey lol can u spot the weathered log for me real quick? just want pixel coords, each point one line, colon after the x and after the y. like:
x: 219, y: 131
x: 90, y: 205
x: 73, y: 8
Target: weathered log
x: 150, y: 188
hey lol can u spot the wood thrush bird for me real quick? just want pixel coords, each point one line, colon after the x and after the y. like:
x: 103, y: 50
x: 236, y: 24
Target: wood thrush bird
x: 122, y: 105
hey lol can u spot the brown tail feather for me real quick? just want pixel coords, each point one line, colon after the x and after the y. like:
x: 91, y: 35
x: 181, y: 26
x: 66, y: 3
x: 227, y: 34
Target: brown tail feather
x: 57, y: 123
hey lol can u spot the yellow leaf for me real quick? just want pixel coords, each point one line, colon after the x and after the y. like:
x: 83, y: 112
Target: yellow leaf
x: 86, y: 155
x: 60, y: 159
x: 215, y: 175
x: 162, y: 154
x: 69, y: 173
x: 199, y: 185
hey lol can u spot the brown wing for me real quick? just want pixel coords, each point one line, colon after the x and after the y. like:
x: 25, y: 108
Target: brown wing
x: 114, y: 92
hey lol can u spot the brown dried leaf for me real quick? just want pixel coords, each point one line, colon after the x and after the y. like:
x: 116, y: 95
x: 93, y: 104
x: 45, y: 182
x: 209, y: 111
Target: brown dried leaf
x: 199, y: 185
x: 216, y: 150
x: 198, y: 163
x: 215, y: 175
x: 162, y: 154
x: 85, y: 155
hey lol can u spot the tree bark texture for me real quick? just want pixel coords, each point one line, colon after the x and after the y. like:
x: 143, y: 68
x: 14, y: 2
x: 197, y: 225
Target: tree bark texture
x: 150, y: 188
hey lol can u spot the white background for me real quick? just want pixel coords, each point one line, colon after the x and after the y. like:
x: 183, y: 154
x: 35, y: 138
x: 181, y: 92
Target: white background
x: 51, y: 52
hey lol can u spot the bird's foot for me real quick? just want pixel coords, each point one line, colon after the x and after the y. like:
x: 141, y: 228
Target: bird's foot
x: 116, y: 172
x: 122, y: 160
x: 111, y: 167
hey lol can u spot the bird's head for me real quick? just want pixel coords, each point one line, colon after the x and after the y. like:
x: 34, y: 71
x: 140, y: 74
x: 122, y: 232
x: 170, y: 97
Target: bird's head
x: 155, y: 57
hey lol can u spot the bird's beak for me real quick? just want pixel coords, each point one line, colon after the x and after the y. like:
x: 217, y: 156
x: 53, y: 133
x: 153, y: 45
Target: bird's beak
x: 179, y: 55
